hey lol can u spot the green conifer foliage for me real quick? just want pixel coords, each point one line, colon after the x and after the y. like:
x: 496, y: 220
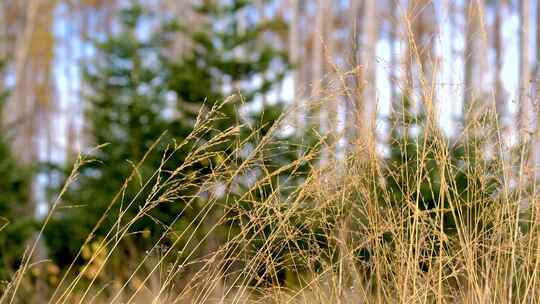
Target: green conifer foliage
x: 16, y: 225
x: 129, y: 108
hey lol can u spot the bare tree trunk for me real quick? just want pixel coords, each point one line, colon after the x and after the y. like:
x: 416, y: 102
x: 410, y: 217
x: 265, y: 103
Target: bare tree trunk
x: 534, y: 152
x: 317, y: 68
x: 408, y: 55
x: 483, y: 66
x: 72, y: 146
x: 330, y: 72
x: 32, y: 99
x: 525, y: 107
x: 524, y: 119
x: 537, y: 54
x: 317, y: 64
x: 294, y: 41
x: 419, y: 57
x: 260, y: 7
x: 21, y: 100
x: 468, y: 57
x: 395, y: 98
x: 393, y: 34
x: 369, y: 64
x: 354, y: 104
x: 473, y: 61
x: 500, y: 104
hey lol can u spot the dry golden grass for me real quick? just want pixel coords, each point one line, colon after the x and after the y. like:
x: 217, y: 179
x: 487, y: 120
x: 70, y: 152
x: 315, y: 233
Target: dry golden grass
x: 323, y: 230
x: 347, y: 204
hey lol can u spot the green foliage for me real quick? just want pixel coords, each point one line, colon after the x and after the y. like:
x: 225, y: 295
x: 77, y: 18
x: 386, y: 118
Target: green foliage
x: 129, y: 108
x: 418, y: 166
x: 234, y: 56
x: 447, y: 184
x: 126, y: 110
x: 16, y: 225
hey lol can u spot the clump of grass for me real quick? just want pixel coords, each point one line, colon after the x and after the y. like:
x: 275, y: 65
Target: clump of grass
x: 437, y: 220
x: 356, y: 229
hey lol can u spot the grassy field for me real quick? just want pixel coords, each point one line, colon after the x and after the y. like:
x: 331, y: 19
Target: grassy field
x: 443, y: 221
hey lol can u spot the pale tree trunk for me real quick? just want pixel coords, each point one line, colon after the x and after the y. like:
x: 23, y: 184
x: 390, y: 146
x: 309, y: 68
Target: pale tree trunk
x: 395, y: 98
x: 366, y: 128
x: 32, y: 99
x: 419, y: 57
x: 393, y: 35
x: 475, y: 65
x: 525, y: 117
x: 525, y: 173
x: 317, y: 69
x: 23, y: 110
x: 260, y: 7
x: 307, y: 54
x: 468, y: 58
x: 317, y: 64
x: 294, y: 41
x: 525, y: 107
x: 354, y: 103
x: 84, y: 89
x: 500, y: 104
x: 424, y: 35
x: 534, y: 152
x: 73, y: 106
x: 422, y: 32
x: 330, y: 74
x: 537, y: 53
x: 501, y: 136
x: 483, y: 47
x: 409, y: 54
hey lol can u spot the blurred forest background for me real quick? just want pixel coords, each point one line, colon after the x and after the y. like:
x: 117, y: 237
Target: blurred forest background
x: 121, y: 89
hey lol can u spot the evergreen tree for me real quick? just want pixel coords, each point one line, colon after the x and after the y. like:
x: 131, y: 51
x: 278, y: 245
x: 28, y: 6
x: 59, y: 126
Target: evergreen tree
x: 229, y: 56
x: 128, y: 109
x: 229, y: 52
x: 15, y: 224
x: 416, y: 160
x: 416, y: 167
